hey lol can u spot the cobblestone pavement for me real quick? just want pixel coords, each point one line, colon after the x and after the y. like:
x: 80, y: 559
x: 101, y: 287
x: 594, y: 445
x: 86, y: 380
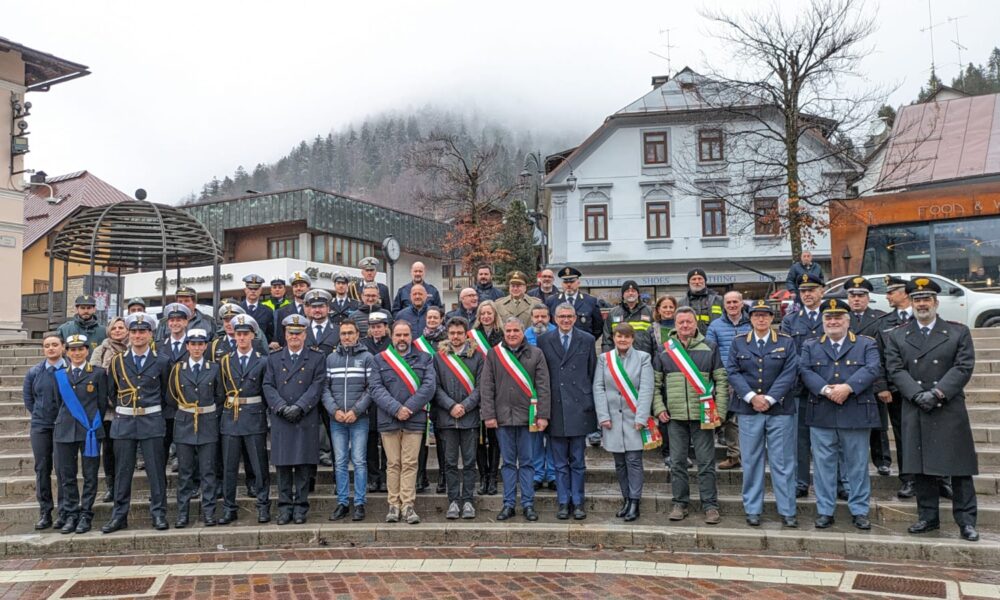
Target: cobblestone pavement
x: 467, y: 572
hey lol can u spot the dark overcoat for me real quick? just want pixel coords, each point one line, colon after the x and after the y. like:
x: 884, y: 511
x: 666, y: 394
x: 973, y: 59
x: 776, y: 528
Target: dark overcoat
x: 571, y: 379
x: 299, y: 383
x: 938, y: 442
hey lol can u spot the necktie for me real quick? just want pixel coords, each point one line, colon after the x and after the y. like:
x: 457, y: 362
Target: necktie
x: 565, y: 342
x: 76, y: 372
x: 812, y: 316
x: 197, y: 369
x: 243, y: 363
x: 298, y: 309
x: 836, y: 348
x: 319, y: 332
x: 177, y: 348
x: 251, y: 308
x: 926, y: 331
x: 295, y: 356
x: 760, y: 344
x: 904, y: 316
x: 138, y: 361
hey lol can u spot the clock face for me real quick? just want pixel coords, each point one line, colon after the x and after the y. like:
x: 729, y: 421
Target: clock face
x: 391, y: 247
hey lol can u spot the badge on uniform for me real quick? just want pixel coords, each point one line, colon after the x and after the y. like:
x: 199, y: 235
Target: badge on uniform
x: 90, y: 387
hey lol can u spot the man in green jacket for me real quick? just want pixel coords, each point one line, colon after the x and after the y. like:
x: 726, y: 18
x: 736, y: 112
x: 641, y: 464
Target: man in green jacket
x: 84, y: 323
x: 677, y: 400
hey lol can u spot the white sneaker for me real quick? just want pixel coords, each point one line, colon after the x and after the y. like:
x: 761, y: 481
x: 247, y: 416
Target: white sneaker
x: 410, y: 515
x: 453, y: 512
x: 468, y: 512
x: 393, y: 516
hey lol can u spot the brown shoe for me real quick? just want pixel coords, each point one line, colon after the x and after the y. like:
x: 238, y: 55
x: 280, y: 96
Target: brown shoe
x: 730, y: 463
x: 712, y: 516
x: 677, y: 513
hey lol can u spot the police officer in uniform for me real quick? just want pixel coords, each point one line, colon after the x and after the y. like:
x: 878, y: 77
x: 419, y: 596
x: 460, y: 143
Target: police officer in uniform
x: 369, y: 267
x: 293, y: 387
x: 254, y: 307
x: 341, y: 305
x: 174, y: 347
x: 84, y: 322
x: 763, y: 373
x: 588, y: 311
x: 322, y: 335
x: 636, y: 313
x: 225, y: 342
x: 78, y: 430
x: 135, y: 305
x: 196, y: 393
x: 300, y: 283
x: 276, y: 297
x: 931, y: 361
x: 244, y: 420
x: 138, y: 386
x: 801, y: 326
x: 188, y: 297
x: 838, y: 371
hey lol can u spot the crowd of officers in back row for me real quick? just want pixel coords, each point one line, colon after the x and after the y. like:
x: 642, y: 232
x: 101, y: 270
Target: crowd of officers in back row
x: 506, y: 393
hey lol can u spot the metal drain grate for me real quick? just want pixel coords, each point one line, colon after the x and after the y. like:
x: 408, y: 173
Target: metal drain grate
x: 109, y: 587
x: 903, y: 586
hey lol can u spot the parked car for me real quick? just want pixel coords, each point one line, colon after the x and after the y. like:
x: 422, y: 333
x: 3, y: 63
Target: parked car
x: 957, y: 302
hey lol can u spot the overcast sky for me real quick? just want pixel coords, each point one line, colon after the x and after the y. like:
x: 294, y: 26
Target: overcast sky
x: 182, y: 91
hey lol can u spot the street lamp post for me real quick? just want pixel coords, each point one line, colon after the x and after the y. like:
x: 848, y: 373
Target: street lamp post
x: 535, y: 212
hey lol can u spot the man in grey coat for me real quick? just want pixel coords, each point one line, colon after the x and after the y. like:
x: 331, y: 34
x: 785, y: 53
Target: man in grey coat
x: 293, y: 387
x: 569, y: 353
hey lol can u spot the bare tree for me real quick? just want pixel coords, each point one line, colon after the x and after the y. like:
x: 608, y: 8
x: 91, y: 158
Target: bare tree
x: 784, y: 96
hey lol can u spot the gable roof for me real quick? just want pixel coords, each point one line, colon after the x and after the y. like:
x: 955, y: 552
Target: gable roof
x: 41, y: 69
x: 942, y: 141
x: 75, y: 191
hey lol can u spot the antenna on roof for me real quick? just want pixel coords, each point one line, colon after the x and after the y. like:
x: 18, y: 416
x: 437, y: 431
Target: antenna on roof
x: 666, y: 46
x: 930, y: 28
x: 958, y: 45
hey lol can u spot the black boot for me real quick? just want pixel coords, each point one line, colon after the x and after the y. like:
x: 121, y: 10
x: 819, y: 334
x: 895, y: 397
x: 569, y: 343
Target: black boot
x: 491, y: 485
x: 624, y: 509
x: 633, y: 510
x: 483, y: 485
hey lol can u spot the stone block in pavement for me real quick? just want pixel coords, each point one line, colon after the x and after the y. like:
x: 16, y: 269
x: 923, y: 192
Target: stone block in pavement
x: 473, y: 532
x: 793, y: 540
x: 714, y: 539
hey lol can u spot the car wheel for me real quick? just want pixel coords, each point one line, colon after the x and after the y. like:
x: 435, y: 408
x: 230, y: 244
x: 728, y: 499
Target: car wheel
x: 992, y: 322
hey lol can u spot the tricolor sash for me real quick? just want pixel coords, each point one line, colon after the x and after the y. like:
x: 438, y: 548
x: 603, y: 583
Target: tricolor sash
x: 460, y: 370
x: 402, y: 369
x: 651, y: 437
x: 709, y: 412
x: 520, y: 376
x: 79, y: 413
x: 479, y: 338
x: 423, y: 345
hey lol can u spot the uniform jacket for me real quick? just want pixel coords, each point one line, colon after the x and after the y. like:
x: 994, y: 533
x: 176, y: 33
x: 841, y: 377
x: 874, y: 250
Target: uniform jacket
x: 537, y: 292
x: 571, y: 380
x: 488, y: 292
x: 722, y: 331
x: 796, y: 272
x: 468, y: 315
x: 92, y: 328
x: 938, y: 442
x: 91, y: 389
x: 588, y: 312
x: 299, y: 383
x: 348, y: 371
x: 327, y: 342
x: 451, y: 392
x: 279, y: 316
x: 508, y: 306
x: 801, y: 328
x: 166, y: 348
x: 40, y: 394
x: 151, y: 390
x: 867, y: 322
x: 884, y: 325
x: 264, y: 317
x: 390, y: 393
x: 205, y: 389
x: 773, y: 371
x: 416, y: 318
x: 611, y: 405
x: 503, y: 400
x: 339, y: 314
x: 857, y: 365
x: 673, y: 393
x: 277, y: 304
x: 384, y: 298
x: 707, y: 303
x: 640, y: 318
x: 198, y: 321
x: 402, y: 298
x: 221, y: 346
x: 360, y: 317
x: 252, y: 418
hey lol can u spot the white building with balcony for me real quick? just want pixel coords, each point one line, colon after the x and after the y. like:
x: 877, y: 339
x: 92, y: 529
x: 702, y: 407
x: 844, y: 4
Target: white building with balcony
x: 663, y: 186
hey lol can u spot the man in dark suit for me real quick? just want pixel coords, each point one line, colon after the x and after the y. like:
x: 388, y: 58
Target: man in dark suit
x: 83, y: 398
x: 838, y: 371
x: 255, y: 307
x: 196, y: 393
x: 300, y: 283
x: 138, y: 385
x: 931, y: 361
x: 244, y: 420
x: 588, y: 311
x: 341, y: 305
x: 864, y: 321
x: 571, y: 358
x: 321, y: 336
x: 293, y: 386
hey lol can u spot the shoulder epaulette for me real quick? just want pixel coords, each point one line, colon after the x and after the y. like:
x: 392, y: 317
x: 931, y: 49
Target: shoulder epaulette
x: 851, y: 336
x: 785, y: 335
x: 866, y: 337
x: 822, y: 338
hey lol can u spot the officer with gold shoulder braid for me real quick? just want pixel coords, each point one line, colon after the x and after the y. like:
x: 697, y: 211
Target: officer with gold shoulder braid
x: 138, y: 387
x: 806, y: 324
x: 838, y: 371
x: 196, y: 392
x: 930, y: 361
x: 637, y: 314
x: 79, y: 427
x: 244, y: 420
x: 225, y: 342
x: 588, y: 311
x: 300, y: 282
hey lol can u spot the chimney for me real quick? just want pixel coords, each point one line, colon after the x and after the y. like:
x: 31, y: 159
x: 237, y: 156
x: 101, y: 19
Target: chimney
x: 659, y: 80
x: 39, y: 177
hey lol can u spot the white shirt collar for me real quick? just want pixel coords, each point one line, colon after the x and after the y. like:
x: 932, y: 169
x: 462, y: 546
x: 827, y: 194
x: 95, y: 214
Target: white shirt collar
x: 931, y: 324
x: 144, y: 354
x: 59, y: 363
x: 82, y: 365
x: 757, y: 338
x: 192, y: 362
x: 241, y: 355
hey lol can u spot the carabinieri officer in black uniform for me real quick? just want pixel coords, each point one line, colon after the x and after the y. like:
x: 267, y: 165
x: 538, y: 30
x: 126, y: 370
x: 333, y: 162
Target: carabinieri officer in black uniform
x: 196, y: 393
x: 254, y: 306
x: 588, y: 311
x: 83, y: 398
x: 244, y: 420
x: 138, y: 386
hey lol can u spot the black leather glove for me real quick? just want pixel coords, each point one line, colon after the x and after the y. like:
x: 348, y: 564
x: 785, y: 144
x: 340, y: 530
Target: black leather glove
x: 926, y: 400
x: 293, y: 413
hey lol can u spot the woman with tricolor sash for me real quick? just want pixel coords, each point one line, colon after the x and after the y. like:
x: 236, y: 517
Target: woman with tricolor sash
x: 623, y: 395
x: 486, y: 332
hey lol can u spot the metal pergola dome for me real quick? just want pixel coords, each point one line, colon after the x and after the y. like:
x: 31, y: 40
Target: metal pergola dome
x: 135, y: 235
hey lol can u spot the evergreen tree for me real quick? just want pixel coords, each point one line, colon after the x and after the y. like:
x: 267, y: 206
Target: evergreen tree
x: 932, y: 86
x: 518, y: 238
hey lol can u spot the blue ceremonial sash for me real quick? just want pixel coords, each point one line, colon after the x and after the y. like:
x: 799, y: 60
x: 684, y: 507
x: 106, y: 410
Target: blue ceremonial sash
x: 76, y: 409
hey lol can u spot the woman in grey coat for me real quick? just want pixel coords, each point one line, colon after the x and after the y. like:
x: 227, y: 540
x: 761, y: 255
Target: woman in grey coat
x: 621, y: 427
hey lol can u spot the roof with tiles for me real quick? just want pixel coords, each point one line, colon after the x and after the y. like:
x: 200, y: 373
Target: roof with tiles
x: 74, y: 191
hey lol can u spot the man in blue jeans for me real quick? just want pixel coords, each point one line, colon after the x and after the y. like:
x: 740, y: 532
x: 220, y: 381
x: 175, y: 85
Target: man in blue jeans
x: 346, y: 400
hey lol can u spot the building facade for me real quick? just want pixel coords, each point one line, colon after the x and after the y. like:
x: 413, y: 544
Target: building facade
x: 651, y: 195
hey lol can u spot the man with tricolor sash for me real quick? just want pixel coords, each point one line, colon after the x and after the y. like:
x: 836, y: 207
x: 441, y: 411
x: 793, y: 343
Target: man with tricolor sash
x: 83, y: 398
x: 515, y: 401
x: 456, y: 415
x: 403, y: 386
x: 691, y: 394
